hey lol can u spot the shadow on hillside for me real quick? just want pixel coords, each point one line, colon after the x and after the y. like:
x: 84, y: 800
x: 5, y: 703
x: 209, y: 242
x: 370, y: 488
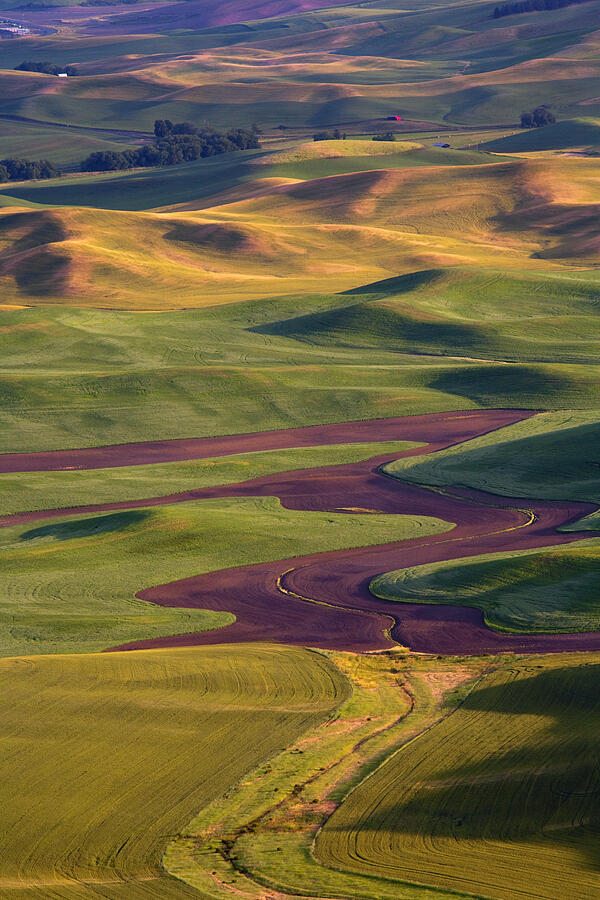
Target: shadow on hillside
x: 372, y: 324
x: 36, y: 266
x: 399, y: 284
x: 92, y: 527
x: 517, y: 384
x: 539, y: 781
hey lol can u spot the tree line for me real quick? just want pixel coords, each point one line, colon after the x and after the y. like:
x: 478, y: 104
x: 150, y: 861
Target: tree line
x: 337, y: 135
x: 329, y: 135
x: 46, y: 68
x: 13, y: 169
x: 173, y: 144
x: 525, y: 6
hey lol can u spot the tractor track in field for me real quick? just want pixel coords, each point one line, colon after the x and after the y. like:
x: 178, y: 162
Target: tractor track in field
x: 323, y: 599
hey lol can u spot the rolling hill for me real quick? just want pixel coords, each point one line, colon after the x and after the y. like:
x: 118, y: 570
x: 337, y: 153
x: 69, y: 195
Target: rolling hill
x: 349, y: 284
x: 569, y: 134
x: 553, y: 591
x: 110, y: 725
x: 526, y: 213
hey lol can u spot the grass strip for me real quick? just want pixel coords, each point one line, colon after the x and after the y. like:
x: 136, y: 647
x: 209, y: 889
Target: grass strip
x: 69, y: 585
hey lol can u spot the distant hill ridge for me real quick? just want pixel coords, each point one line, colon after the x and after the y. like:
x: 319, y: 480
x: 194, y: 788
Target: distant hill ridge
x: 570, y: 133
x: 525, y: 6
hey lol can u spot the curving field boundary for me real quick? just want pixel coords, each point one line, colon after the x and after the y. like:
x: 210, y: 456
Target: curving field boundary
x: 323, y: 600
x: 438, y: 429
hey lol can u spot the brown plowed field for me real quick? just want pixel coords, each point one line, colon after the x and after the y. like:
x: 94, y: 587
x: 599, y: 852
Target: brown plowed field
x: 439, y: 429
x: 323, y: 600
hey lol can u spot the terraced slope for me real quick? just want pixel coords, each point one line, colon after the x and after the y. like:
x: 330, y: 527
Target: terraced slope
x: 106, y: 757
x: 498, y: 800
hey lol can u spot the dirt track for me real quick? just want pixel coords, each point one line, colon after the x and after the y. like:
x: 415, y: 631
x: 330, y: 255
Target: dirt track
x: 323, y: 600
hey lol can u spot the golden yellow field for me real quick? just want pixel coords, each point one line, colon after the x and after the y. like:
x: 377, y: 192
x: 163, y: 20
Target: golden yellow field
x: 106, y: 757
x: 325, y: 234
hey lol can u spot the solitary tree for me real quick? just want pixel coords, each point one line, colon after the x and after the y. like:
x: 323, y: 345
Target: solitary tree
x: 162, y: 128
x: 543, y: 116
x: 526, y: 120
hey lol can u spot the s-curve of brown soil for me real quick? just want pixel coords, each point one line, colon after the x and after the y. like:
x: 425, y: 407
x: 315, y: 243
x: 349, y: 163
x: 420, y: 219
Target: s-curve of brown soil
x: 439, y: 430
x: 323, y: 600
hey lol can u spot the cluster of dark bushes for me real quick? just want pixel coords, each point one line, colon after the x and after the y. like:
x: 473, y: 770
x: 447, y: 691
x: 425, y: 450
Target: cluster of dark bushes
x: 525, y: 6
x: 25, y: 169
x: 164, y: 128
x: 337, y: 135
x: 173, y: 144
x: 537, y: 118
x: 181, y: 143
x: 329, y: 135
x: 47, y: 68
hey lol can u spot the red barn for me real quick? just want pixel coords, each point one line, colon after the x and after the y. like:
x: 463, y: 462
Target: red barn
x: 394, y: 118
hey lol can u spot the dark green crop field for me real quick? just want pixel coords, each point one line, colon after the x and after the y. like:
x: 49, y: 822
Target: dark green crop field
x: 555, y: 590
x: 554, y: 456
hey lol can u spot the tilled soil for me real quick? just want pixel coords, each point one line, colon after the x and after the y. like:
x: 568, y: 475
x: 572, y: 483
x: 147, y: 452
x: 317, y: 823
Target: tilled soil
x: 323, y: 600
